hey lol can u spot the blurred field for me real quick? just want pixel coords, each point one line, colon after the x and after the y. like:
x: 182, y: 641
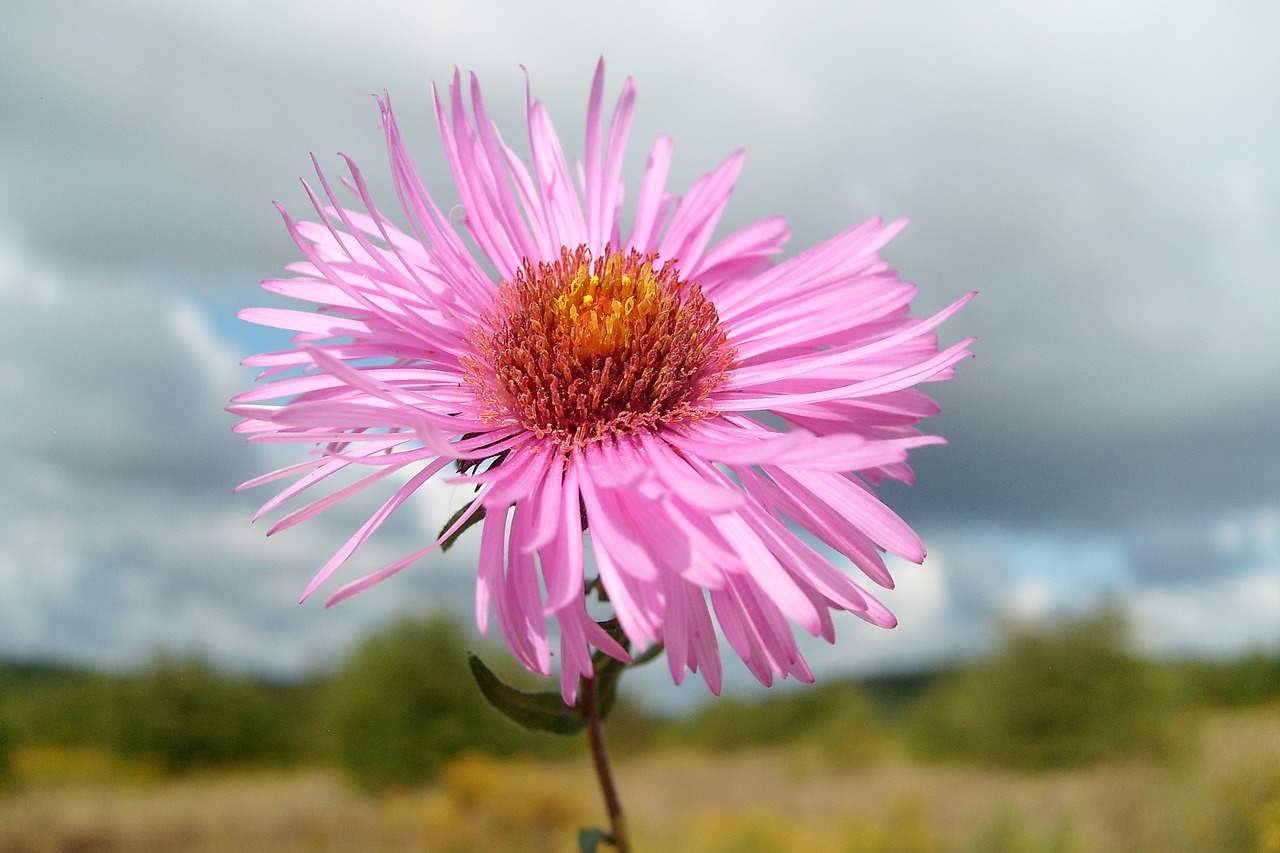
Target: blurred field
x: 1062, y: 741
x: 1222, y: 794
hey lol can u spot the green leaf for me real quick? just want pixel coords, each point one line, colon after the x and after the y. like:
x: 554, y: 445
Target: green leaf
x: 542, y: 712
x: 453, y: 537
x: 589, y: 839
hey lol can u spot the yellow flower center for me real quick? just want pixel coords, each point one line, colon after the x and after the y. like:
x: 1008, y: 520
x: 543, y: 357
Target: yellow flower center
x: 584, y: 347
x: 601, y: 312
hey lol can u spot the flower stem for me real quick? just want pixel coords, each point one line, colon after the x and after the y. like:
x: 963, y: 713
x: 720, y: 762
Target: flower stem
x: 600, y: 758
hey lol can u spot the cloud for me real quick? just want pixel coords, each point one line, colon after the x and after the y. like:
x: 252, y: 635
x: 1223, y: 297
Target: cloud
x: 111, y: 380
x: 1114, y: 197
x: 119, y: 533
x: 1222, y: 617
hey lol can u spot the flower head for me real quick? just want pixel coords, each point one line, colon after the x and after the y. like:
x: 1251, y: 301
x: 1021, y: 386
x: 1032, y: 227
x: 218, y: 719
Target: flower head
x: 694, y: 406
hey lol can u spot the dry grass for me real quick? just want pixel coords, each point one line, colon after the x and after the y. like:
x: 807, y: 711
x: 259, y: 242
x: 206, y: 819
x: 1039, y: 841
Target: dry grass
x: 1222, y: 795
x: 294, y: 812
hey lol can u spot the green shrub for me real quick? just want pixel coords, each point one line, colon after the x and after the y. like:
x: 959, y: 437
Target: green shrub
x: 8, y: 737
x: 72, y: 709
x: 838, y: 719
x: 1063, y: 695
x: 187, y: 715
x: 405, y: 703
x: 1252, y: 679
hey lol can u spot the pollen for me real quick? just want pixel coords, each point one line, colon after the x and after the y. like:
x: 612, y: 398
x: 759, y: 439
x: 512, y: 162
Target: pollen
x: 588, y: 346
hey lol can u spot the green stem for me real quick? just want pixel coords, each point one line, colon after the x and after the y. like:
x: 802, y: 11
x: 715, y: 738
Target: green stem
x: 600, y: 758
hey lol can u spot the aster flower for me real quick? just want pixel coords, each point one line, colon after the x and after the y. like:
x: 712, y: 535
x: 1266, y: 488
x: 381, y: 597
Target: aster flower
x: 694, y: 406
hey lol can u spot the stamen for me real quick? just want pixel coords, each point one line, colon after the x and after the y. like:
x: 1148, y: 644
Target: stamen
x: 584, y: 347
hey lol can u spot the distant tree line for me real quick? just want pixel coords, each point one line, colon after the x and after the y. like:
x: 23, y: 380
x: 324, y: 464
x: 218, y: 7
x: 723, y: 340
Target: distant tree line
x: 398, y: 708
x: 404, y: 704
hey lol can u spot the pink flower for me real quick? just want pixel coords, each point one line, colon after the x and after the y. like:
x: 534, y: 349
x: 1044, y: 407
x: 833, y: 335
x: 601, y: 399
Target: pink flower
x: 691, y: 403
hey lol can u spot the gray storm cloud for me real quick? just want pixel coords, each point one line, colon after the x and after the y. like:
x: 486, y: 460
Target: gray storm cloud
x: 1108, y: 177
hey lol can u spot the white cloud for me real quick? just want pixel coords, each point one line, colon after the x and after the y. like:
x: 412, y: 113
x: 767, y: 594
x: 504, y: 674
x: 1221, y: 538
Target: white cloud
x: 118, y: 530
x: 1222, y: 616
x: 1252, y: 536
x: 215, y: 358
x: 1114, y: 196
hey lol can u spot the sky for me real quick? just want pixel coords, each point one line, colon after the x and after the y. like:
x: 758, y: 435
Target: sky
x: 1106, y: 175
